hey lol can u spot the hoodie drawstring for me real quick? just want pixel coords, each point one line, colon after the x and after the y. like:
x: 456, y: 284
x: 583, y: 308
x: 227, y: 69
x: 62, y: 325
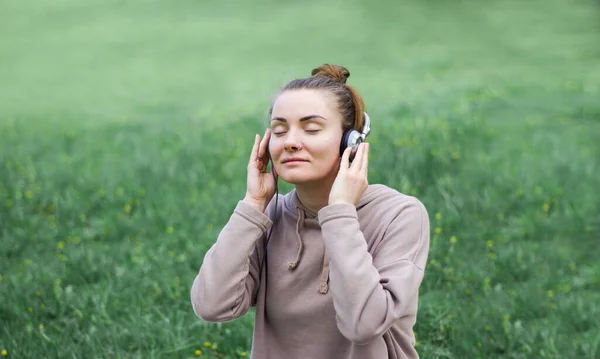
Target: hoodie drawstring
x: 299, y: 225
x: 323, y: 286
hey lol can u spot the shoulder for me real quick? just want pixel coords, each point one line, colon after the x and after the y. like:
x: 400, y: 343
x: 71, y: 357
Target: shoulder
x: 397, y: 224
x: 382, y: 199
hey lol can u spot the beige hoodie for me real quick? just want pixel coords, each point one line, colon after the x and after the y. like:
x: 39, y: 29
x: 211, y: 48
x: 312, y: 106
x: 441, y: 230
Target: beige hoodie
x: 342, y: 283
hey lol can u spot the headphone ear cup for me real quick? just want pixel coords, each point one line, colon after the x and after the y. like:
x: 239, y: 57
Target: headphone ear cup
x: 349, y: 139
x: 344, y: 142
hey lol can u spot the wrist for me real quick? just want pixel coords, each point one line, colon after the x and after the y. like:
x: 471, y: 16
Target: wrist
x: 339, y: 201
x: 258, y: 204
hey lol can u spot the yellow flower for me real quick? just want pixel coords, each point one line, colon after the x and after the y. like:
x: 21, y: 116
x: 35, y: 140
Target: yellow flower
x: 490, y: 243
x: 4, y: 352
x: 453, y: 239
x: 198, y: 352
x: 30, y: 310
x: 61, y: 245
x: 243, y: 354
x: 127, y: 208
x: 214, y: 346
x: 207, y: 344
x: 169, y: 229
x: 438, y: 230
x: 550, y: 293
x: 41, y: 326
x: 438, y: 216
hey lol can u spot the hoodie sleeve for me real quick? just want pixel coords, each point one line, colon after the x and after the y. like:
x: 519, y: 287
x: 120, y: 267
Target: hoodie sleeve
x: 224, y: 288
x: 370, y: 293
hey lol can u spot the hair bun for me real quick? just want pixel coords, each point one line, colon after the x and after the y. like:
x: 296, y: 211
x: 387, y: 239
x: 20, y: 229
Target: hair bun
x: 338, y: 73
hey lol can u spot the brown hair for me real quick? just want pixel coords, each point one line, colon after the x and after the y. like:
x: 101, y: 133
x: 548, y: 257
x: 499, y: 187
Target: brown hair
x: 333, y: 78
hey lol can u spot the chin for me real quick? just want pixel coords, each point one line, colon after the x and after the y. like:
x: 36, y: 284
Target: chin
x: 300, y: 176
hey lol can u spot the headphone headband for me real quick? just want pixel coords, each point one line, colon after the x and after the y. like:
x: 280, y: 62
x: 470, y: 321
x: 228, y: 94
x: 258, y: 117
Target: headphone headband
x: 366, y: 126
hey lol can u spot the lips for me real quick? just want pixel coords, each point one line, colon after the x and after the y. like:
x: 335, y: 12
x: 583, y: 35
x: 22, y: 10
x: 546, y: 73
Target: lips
x: 294, y: 160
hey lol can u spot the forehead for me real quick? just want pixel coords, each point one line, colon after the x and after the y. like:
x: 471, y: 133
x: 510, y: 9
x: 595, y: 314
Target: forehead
x: 295, y: 104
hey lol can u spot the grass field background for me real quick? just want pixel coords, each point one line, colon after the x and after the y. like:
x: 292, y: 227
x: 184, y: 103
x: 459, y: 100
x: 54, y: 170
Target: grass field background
x: 124, y: 136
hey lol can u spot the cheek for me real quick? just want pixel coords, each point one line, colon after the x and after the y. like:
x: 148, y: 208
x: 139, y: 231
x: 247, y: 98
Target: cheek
x: 275, y: 149
x: 328, y: 150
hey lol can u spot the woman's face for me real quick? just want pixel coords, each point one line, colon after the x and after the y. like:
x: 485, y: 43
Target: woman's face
x: 306, y: 130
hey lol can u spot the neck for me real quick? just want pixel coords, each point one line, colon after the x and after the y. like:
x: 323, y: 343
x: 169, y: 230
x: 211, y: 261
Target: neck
x: 315, y: 196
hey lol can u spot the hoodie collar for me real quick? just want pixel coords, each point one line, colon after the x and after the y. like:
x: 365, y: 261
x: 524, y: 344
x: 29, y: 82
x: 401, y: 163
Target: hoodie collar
x: 292, y: 202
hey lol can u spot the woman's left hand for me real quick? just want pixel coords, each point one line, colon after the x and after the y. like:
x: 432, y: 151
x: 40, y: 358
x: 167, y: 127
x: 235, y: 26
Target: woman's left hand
x: 351, y: 181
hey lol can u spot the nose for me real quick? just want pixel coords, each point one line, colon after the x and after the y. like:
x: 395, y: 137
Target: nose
x: 292, y: 143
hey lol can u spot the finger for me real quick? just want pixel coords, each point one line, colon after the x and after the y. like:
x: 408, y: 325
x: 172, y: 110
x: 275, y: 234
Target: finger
x: 262, y: 150
x: 345, y: 161
x: 254, y: 152
x: 364, y: 168
x: 358, y: 158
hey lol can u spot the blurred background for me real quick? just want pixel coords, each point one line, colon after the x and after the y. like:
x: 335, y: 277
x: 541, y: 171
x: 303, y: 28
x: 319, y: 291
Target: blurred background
x: 125, y: 130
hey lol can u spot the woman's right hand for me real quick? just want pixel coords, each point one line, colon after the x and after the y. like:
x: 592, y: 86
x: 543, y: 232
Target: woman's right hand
x: 260, y: 183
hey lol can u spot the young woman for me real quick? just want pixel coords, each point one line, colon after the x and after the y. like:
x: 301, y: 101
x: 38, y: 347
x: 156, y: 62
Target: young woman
x: 344, y: 260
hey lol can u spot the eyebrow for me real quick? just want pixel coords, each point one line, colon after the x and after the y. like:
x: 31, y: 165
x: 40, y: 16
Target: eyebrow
x: 305, y: 118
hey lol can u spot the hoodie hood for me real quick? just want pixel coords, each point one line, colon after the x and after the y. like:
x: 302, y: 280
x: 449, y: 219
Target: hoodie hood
x: 297, y: 209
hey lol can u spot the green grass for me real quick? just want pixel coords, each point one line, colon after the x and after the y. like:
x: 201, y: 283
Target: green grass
x: 124, y: 135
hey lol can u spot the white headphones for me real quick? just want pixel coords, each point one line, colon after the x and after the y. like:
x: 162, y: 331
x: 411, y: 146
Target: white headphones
x: 353, y: 138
